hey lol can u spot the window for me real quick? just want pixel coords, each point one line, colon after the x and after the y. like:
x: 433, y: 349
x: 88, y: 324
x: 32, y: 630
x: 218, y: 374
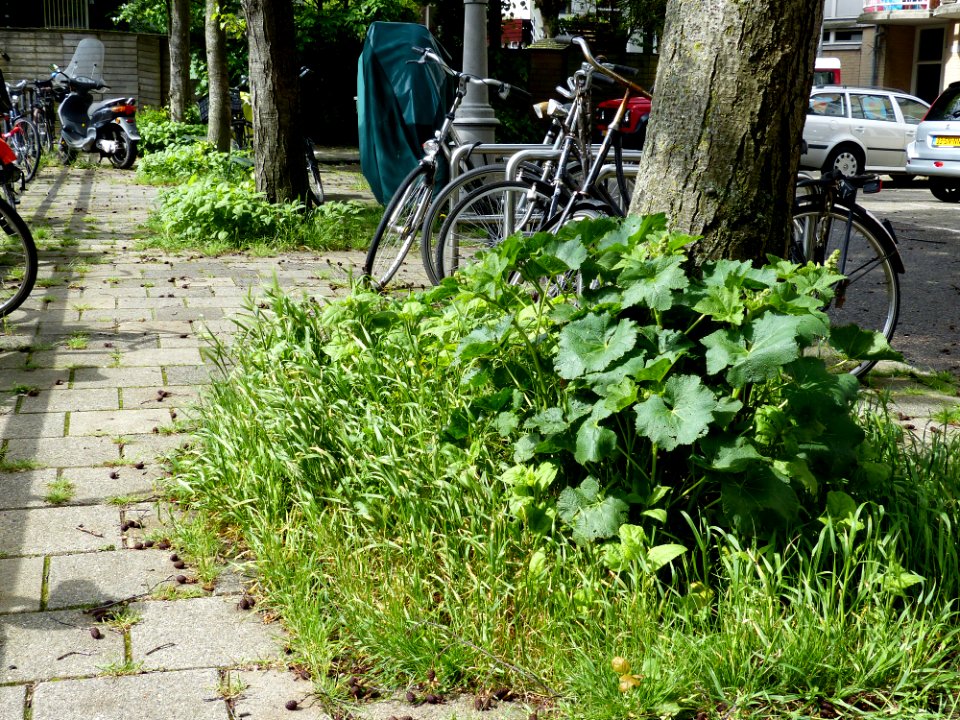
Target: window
x: 947, y: 106
x: 827, y: 105
x: 834, y: 9
x: 842, y: 37
x: 66, y: 14
x: 872, y: 107
x: 913, y: 111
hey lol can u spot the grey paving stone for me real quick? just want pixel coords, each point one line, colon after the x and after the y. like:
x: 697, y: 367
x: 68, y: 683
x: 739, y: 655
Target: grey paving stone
x: 147, y: 448
x: 42, y: 646
x: 64, y: 452
x: 44, y: 531
x: 11, y: 701
x: 25, y: 489
x: 66, y: 358
x: 43, y: 379
x: 266, y: 692
x: 117, y: 316
x: 185, y: 313
x: 20, y: 583
x: 48, y: 424
x: 60, y: 398
x: 105, y: 576
x: 117, y: 422
x: 184, y: 695
x: 165, y: 358
x: 189, y: 374
x: 203, y: 631
x: 177, y: 397
x: 117, y: 377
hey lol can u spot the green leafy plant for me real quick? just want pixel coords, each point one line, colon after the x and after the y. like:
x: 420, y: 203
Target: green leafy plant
x: 180, y: 163
x: 158, y: 132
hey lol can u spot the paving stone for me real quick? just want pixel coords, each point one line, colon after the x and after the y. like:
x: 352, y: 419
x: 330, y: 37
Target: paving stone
x: 48, y: 424
x: 61, y: 398
x: 190, y: 374
x: 184, y: 695
x: 117, y: 316
x: 66, y: 358
x: 64, y: 451
x: 21, y: 585
x: 203, y: 632
x: 185, y: 313
x: 165, y: 358
x: 106, y: 576
x: 25, y: 489
x: 117, y: 377
x: 44, y: 531
x: 147, y: 448
x: 177, y: 397
x: 160, y: 301
x: 11, y: 702
x: 117, y: 422
x: 42, y: 646
x: 44, y: 379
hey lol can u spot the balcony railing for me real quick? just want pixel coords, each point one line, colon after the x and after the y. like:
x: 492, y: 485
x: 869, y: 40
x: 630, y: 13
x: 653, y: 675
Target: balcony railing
x: 882, y: 6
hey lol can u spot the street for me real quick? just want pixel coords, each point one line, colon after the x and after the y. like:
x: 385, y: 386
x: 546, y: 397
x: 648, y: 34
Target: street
x: 929, y: 236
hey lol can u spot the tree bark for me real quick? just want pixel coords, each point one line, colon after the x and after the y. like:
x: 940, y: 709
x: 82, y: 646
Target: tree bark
x: 723, y: 142
x: 218, y: 127
x: 279, y: 165
x: 179, y: 59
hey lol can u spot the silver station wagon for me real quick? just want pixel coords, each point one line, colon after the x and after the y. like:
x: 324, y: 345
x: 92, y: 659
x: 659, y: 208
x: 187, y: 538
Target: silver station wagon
x: 936, y: 150
x: 857, y: 129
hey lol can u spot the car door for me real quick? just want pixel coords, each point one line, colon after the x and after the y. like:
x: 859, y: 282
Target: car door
x: 876, y: 125
x: 912, y: 111
x: 826, y: 122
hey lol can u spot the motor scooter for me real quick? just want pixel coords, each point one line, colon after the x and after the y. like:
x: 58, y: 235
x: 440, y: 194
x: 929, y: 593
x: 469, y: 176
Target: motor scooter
x: 109, y: 127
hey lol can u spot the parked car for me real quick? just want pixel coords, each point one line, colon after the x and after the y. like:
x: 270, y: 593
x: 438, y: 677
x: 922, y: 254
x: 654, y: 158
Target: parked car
x: 859, y: 129
x: 634, y: 125
x: 936, y: 150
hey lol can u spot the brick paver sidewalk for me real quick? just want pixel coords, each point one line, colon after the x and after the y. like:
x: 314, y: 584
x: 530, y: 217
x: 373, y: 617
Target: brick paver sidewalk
x: 94, y: 370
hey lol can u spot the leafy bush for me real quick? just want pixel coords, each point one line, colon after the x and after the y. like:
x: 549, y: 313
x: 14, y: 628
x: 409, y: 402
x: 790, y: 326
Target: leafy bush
x: 159, y: 132
x: 179, y: 163
x: 427, y: 483
x: 210, y: 210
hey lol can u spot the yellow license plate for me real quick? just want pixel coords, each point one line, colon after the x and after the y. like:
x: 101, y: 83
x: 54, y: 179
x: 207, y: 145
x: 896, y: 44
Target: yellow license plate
x: 944, y: 141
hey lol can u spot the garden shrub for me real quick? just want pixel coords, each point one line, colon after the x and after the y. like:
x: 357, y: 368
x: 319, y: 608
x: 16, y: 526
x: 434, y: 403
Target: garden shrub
x: 158, y: 131
x: 179, y: 163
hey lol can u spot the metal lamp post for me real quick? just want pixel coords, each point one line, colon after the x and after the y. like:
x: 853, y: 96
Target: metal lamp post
x: 475, y: 120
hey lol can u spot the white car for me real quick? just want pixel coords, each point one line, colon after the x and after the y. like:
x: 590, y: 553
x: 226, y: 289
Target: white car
x: 857, y: 129
x: 936, y: 150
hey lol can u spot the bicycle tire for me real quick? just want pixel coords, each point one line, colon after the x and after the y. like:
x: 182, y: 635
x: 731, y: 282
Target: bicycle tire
x: 477, y: 223
x: 872, y: 269
x: 450, y: 195
x: 26, y: 144
x: 18, y: 260
x: 314, y: 184
x: 400, y: 226
x: 44, y: 128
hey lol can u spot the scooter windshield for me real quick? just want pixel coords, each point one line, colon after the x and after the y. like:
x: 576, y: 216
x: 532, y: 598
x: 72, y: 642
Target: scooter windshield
x: 87, y: 60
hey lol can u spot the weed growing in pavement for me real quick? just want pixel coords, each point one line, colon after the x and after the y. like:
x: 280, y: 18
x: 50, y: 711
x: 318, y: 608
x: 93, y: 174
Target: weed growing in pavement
x: 60, y: 491
x: 121, y: 668
x: 507, y: 486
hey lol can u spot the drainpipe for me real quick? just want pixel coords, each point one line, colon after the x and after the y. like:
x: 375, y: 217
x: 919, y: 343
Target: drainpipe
x: 878, y: 39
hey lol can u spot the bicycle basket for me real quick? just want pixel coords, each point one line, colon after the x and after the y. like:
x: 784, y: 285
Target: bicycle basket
x: 236, y: 105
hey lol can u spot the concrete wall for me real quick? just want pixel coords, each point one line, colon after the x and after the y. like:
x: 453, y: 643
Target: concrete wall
x: 136, y: 65
x: 898, y: 54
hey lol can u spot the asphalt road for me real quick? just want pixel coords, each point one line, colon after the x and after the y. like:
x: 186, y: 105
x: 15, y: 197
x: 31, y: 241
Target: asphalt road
x: 928, y: 231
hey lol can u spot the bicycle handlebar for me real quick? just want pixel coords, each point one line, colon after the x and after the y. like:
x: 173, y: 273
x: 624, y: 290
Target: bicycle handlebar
x: 608, y: 69
x: 503, y: 89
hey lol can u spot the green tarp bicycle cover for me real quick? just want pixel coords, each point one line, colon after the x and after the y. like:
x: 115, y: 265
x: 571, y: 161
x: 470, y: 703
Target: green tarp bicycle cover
x: 399, y: 103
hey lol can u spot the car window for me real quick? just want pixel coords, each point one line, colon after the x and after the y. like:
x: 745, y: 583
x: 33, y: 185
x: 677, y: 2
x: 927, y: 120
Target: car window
x: 827, y: 104
x: 871, y: 107
x: 912, y: 110
x: 947, y: 106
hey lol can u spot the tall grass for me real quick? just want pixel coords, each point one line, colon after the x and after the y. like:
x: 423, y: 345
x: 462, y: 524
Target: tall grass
x: 389, y: 552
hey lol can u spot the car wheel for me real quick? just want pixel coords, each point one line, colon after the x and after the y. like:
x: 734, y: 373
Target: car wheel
x: 847, y: 159
x: 945, y: 189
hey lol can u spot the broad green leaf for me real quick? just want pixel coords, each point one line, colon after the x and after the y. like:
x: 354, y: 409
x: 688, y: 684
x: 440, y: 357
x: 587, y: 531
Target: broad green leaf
x: 538, y: 564
x: 896, y: 578
x: 619, y: 396
x: 758, y: 353
x: 633, y: 228
x: 751, y: 501
x: 594, y: 442
x: 592, y: 344
x: 549, y: 422
x: 525, y: 447
x: 506, y: 423
x: 658, y: 514
x: 840, y: 506
x: 652, y: 282
x: 590, y: 515
x: 660, y: 555
x: 797, y: 469
x: 569, y: 253
x: 678, y: 417
x: 721, y: 303
x: 862, y: 344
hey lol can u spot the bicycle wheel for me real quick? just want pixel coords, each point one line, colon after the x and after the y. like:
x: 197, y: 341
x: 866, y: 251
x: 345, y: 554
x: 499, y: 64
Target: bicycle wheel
x: 18, y: 260
x: 314, y: 184
x: 400, y: 226
x: 44, y: 129
x: 869, y: 297
x: 479, y: 222
x: 26, y: 144
x: 453, y: 193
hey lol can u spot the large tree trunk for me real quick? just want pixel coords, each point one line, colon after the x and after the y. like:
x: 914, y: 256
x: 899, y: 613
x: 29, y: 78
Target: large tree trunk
x: 280, y: 169
x: 179, y: 58
x: 218, y: 128
x: 722, y: 147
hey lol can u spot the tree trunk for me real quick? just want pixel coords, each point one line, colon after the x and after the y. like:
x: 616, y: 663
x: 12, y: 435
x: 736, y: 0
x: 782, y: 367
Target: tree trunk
x: 218, y: 128
x: 280, y: 169
x: 179, y: 58
x: 723, y: 142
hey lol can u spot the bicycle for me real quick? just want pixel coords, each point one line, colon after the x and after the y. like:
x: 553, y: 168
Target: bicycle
x: 828, y: 221
x: 405, y: 213
x: 43, y: 113
x: 18, y: 254
x: 489, y: 214
x: 315, y: 195
x: 18, y: 131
